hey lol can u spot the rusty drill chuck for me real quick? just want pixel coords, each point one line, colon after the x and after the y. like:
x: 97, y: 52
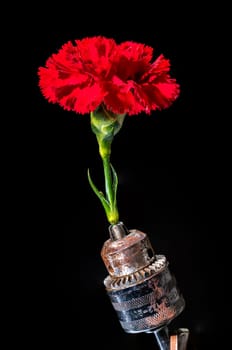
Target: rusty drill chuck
x: 140, y: 286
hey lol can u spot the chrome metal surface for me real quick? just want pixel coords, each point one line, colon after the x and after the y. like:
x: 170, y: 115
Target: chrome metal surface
x: 162, y: 338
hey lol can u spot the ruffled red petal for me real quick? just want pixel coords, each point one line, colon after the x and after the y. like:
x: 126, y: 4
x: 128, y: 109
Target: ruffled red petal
x: 156, y: 96
x: 83, y: 100
x: 95, y: 54
x: 135, y: 51
x: 120, y: 99
x: 91, y: 71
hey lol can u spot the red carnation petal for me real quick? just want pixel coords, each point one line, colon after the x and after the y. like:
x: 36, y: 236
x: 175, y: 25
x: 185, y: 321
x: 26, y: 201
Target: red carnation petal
x: 83, y: 100
x: 68, y: 64
x: 169, y: 90
x: 71, y: 76
x: 52, y: 84
x: 95, y: 54
x: 133, y: 51
x: 62, y: 70
x: 158, y: 70
x: 82, y: 75
x: 157, y: 96
x: 48, y: 79
x: 120, y: 99
x: 131, y: 60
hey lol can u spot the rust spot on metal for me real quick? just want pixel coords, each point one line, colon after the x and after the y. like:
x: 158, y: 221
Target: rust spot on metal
x: 128, y: 254
x: 140, y: 286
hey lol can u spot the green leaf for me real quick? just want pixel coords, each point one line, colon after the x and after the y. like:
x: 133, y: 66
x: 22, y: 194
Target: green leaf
x: 99, y: 194
x: 115, y: 184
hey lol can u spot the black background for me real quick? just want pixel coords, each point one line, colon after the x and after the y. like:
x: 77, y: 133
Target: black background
x: 172, y: 169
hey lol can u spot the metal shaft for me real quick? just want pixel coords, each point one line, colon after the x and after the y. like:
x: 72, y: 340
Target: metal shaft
x: 178, y: 341
x: 162, y: 338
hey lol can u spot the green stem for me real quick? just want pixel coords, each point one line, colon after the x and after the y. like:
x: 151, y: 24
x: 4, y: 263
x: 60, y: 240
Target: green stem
x: 110, y: 190
x: 105, y: 126
x: 108, y: 179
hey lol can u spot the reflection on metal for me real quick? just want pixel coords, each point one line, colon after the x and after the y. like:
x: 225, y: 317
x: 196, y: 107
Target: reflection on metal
x: 128, y: 254
x: 141, y: 288
x: 117, y: 231
x: 162, y: 338
x: 183, y: 335
x: 176, y: 341
x: 173, y: 342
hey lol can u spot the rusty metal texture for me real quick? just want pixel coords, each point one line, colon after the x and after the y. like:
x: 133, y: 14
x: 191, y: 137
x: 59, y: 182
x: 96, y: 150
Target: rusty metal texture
x: 128, y: 254
x: 115, y: 283
x: 149, y: 304
x: 140, y: 286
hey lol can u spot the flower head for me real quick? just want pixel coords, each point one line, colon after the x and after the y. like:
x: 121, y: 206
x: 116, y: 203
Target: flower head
x: 97, y: 76
x: 87, y: 73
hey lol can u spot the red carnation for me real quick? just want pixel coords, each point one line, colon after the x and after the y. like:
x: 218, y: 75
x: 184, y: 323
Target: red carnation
x: 96, y: 71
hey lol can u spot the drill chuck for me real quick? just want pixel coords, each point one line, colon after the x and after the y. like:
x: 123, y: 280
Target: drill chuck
x: 141, y: 288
